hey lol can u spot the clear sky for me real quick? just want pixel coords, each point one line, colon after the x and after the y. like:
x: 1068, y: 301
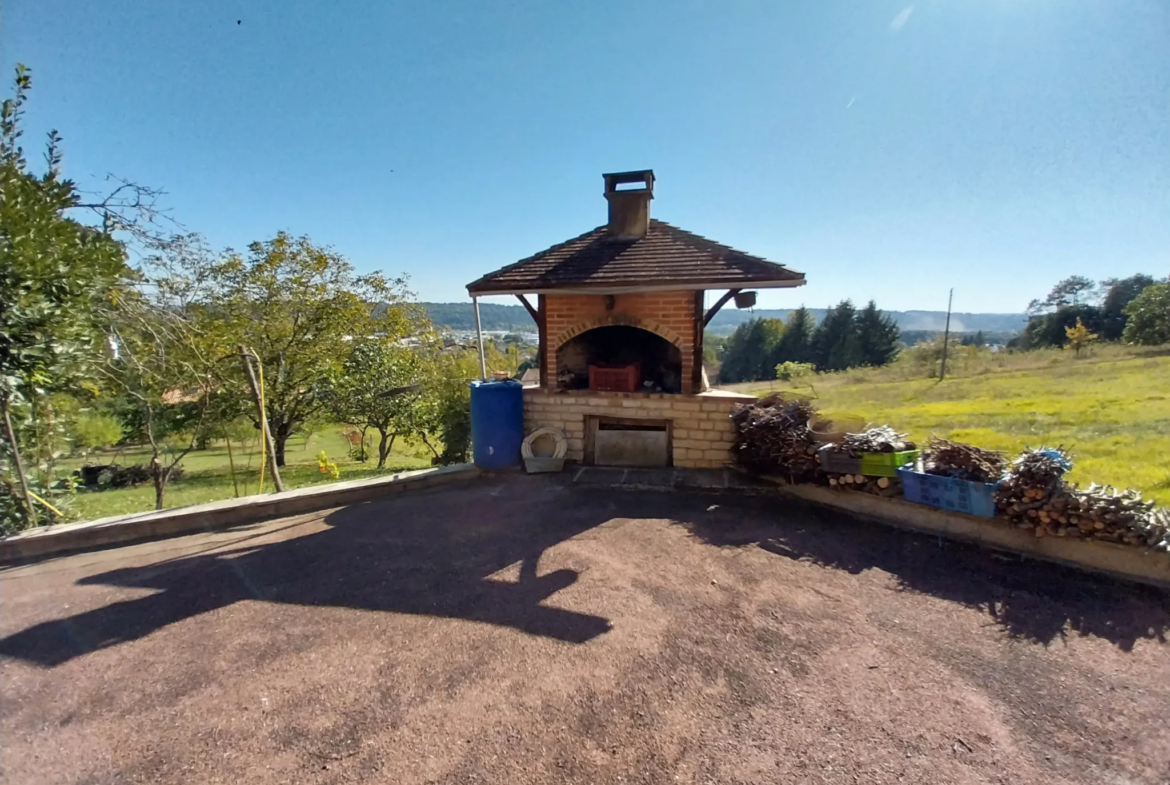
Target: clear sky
x: 888, y: 150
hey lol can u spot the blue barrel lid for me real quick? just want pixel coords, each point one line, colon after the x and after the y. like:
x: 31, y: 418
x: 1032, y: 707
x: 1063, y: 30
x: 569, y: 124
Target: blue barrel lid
x: 489, y: 384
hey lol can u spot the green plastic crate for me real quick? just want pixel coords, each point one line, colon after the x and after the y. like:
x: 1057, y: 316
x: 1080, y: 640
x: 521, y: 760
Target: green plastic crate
x: 885, y: 464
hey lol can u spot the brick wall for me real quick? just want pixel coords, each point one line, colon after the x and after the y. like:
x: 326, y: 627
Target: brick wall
x: 703, y: 431
x: 668, y: 314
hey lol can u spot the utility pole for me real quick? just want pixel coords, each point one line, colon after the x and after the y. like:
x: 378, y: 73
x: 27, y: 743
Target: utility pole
x: 246, y: 358
x: 942, y: 374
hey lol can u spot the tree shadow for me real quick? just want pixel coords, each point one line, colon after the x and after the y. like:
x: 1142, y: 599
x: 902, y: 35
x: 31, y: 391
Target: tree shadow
x: 430, y: 554
x: 1031, y: 600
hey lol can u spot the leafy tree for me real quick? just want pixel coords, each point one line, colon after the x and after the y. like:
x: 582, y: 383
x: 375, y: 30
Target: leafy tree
x: 836, y: 343
x: 1074, y: 290
x: 373, y: 389
x: 878, y: 336
x: 301, y: 307
x: 1049, y: 329
x: 1149, y: 316
x: 1079, y: 337
x: 54, y: 272
x: 1119, y: 292
x: 796, y: 345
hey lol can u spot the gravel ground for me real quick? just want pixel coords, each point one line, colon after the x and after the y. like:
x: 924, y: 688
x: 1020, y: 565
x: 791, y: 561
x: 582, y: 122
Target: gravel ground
x: 525, y: 631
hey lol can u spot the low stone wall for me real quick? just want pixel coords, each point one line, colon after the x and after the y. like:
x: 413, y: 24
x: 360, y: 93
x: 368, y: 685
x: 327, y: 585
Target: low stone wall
x: 702, y: 429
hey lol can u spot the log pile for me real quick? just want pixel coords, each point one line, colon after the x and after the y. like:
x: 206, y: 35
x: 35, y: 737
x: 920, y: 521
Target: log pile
x: 773, y: 437
x: 878, y: 486
x: 1035, y: 485
x: 963, y: 461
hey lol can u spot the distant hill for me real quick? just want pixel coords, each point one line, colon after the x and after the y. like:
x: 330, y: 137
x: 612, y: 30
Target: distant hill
x: 930, y: 321
x: 460, y: 316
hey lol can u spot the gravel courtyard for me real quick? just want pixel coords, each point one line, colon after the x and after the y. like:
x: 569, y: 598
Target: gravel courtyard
x: 527, y: 630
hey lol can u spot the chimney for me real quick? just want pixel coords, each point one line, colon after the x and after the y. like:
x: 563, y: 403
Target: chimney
x: 629, y: 208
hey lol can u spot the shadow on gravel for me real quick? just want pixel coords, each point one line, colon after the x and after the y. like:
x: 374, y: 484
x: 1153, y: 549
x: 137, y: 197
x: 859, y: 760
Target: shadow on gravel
x: 429, y: 554
x: 1032, y: 600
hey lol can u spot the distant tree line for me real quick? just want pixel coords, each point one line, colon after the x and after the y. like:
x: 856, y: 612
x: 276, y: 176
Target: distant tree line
x: 1134, y: 309
x: 845, y: 338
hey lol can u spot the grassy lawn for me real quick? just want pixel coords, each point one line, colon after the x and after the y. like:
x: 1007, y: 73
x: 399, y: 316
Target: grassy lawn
x: 208, y: 477
x: 1111, y: 409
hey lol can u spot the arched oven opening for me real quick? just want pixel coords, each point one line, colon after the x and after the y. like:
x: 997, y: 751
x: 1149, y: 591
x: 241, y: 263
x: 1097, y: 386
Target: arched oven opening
x: 619, y: 358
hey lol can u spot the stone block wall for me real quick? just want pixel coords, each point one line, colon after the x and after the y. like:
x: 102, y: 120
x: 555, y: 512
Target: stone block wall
x: 702, y: 429
x: 670, y: 315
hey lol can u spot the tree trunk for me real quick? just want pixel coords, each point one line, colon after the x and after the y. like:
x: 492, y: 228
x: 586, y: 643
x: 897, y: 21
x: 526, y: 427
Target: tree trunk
x: 160, y: 481
x: 278, y: 442
x: 17, y: 460
x: 385, y: 445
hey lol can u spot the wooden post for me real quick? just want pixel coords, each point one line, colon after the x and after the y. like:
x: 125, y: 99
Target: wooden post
x: 942, y: 374
x: 246, y: 358
x: 16, y: 459
x: 479, y: 339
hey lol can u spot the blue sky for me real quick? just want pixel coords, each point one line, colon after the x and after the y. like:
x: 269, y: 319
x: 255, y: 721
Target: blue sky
x: 889, y: 150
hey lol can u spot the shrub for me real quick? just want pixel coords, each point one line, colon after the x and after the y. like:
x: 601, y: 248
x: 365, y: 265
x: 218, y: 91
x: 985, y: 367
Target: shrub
x: 95, y: 431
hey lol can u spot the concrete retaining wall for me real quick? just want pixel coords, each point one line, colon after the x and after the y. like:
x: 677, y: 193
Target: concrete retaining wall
x: 48, y: 540
x: 1122, y: 561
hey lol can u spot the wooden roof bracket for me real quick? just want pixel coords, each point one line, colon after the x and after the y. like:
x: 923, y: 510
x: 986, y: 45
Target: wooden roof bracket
x: 531, y: 311
x: 714, y: 309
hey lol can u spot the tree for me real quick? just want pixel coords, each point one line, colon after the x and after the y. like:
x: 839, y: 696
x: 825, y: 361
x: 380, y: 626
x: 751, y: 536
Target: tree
x: 54, y: 272
x: 836, y: 343
x: 878, y: 336
x: 379, y: 387
x: 1079, y: 337
x: 1071, y: 291
x: 159, y: 359
x: 1119, y: 292
x: 796, y: 345
x: 301, y: 308
x: 1149, y: 316
x: 750, y: 351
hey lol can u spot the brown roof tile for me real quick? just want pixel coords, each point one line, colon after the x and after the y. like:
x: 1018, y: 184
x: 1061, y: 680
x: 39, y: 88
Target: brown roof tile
x: 667, y: 257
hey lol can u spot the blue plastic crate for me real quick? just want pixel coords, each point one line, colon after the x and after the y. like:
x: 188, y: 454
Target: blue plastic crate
x: 948, y: 493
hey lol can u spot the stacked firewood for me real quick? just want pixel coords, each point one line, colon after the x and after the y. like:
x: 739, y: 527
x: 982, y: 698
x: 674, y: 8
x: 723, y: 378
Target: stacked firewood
x: 1035, y: 485
x: 880, y: 439
x: 773, y: 437
x: 879, y: 486
x: 1035, y: 496
x: 963, y: 461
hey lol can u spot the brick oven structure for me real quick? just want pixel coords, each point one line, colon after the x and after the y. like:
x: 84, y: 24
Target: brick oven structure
x: 620, y: 312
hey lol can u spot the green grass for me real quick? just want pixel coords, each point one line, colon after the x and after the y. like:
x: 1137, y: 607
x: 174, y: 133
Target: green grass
x: 1111, y: 409
x: 207, y: 474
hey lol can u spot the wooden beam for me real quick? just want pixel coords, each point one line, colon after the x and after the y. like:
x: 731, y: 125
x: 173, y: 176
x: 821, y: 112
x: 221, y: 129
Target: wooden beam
x: 697, y: 362
x: 542, y: 339
x: 531, y: 311
x: 722, y: 301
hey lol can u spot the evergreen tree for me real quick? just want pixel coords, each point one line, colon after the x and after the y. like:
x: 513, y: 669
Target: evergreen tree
x: 877, y: 336
x: 796, y: 345
x: 836, y: 344
x: 750, y: 350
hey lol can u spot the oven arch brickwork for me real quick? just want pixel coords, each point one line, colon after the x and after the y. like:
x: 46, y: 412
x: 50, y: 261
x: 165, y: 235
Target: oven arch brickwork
x: 670, y: 315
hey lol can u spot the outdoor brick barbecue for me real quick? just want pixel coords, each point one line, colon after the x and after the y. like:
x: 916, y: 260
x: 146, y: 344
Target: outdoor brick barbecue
x: 620, y: 312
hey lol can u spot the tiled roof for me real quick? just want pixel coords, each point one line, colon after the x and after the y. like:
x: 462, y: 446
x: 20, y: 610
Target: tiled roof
x: 667, y: 257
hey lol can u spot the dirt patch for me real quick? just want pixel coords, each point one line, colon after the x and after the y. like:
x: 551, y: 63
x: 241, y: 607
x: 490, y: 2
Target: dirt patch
x: 522, y: 631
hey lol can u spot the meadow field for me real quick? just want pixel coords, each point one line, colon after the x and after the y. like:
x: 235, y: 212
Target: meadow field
x: 207, y: 473
x: 1110, y: 407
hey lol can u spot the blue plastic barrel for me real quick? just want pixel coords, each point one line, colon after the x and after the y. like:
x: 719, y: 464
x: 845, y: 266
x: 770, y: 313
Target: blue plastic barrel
x: 497, y: 423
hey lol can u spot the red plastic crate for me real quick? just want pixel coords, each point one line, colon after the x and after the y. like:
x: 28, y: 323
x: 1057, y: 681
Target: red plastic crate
x: 608, y: 378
